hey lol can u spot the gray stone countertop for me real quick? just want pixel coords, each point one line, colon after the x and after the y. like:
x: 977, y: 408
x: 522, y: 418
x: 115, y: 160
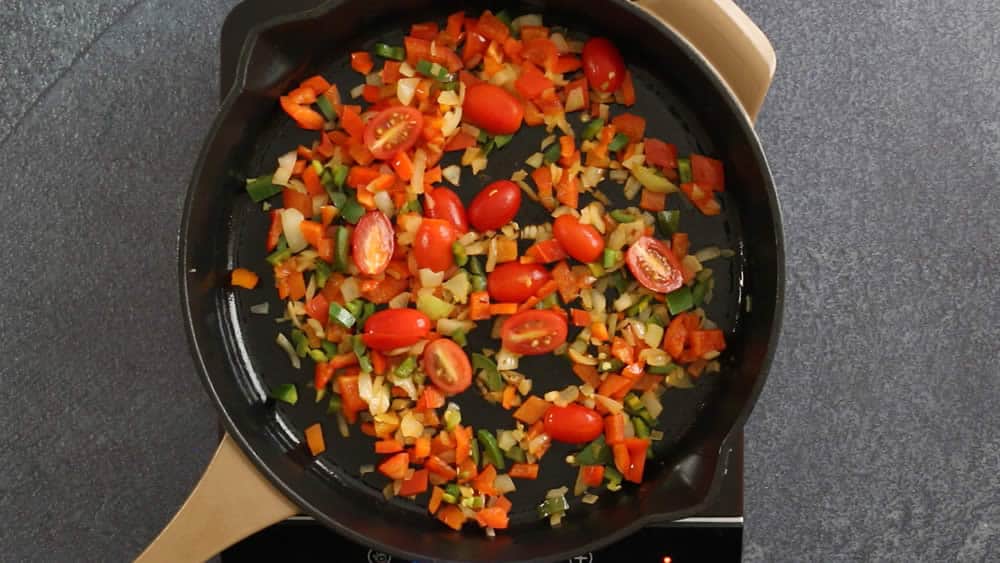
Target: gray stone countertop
x: 876, y: 435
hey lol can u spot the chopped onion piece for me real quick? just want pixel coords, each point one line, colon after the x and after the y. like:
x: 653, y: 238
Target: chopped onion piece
x: 447, y: 327
x: 652, y: 403
x: 357, y: 91
x: 452, y: 173
x: 589, y: 498
x: 656, y: 435
x: 580, y: 358
x: 350, y: 290
x: 560, y: 42
x: 407, y: 70
x: 261, y: 308
x: 430, y: 278
x: 451, y: 121
x: 366, y: 469
x: 689, y: 263
x: 708, y: 253
x: 526, y: 19
x: 654, y: 356
x: 448, y: 98
x: 548, y: 141
x: 406, y: 88
x: 535, y: 160
x: 574, y: 100
x: 285, y: 345
x: 383, y: 201
x: 291, y: 222
x: 283, y: 174
x: 410, y: 427
x: 506, y: 360
x: 612, y: 405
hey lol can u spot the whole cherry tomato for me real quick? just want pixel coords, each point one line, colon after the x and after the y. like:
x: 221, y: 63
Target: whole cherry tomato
x: 514, y: 282
x: 580, y: 241
x: 395, y: 328
x: 492, y: 109
x: 373, y: 243
x: 442, y: 203
x: 495, y: 206
x: 448, y: 366
x: 432, y: 246
x: 573, y: 424
x: 603, y: 65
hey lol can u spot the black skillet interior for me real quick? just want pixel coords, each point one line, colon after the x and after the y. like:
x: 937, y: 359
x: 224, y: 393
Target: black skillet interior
x: 240, y: 361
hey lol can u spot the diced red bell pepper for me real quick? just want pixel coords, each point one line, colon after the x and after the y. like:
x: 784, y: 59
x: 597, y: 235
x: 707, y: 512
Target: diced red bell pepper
x: 415, y: 485
x: 350, y: 399
x: 659, y: 153
x: 593, y: 475
x: 636, y: 448
x: 395, y: 467
x: 708, y: 172
x: 492, y: 517
x: 274, y: 233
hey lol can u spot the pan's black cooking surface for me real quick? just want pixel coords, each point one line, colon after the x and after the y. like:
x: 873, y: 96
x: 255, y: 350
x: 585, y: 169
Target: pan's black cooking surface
x: 665, y: 101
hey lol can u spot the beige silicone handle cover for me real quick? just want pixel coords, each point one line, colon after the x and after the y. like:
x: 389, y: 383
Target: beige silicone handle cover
x: 733, y: 45
x: 231, y: 501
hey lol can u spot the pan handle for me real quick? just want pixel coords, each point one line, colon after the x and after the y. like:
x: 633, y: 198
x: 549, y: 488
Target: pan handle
x: 718, y: 29
x: 230, y: 502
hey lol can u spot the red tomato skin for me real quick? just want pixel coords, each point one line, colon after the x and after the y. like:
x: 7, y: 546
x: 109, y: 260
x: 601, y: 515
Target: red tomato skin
x: 573, y: 424
x: 550, y: 322
x: 514, y: 282
x: 391, y: 116
x: 495, y: 206
x: 492, y: 108
x: 432, y: 246
x: 600, y: 59
x: 459, y: 359
x: 394, y: 328
x: 633, y: 258
x: 373, y: 223
x: 445, y: 204
x: 580, y: 241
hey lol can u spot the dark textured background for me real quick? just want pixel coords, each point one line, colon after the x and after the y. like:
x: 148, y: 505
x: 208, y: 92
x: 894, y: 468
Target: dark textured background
x: 875, y: 438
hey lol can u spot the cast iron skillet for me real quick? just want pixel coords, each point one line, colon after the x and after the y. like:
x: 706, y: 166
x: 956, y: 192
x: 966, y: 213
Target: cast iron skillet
x: 683, y: 100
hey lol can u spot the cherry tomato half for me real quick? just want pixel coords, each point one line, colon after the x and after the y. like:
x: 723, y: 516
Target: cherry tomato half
x: 373, y: 243
x: 393, y: 130
x: 442, y: 203
x: 654, y: 265
x: 432, y: 246
x: 492, y: 108
x: 603, y: 65
x: 495, y: 206
x: 514, y: 282
x: 395, y: 328
x: 533, y: 332
x: 580, y: 241
x: 573, y: 424
x: 448, y: 366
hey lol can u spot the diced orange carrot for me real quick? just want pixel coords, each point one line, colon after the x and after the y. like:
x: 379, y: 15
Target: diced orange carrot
x: 503, y: 308
x: 532, y: 410
x: 580, y: 317
x: 241, y: 277
x: 524, y: 471
x: 314, y: 439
